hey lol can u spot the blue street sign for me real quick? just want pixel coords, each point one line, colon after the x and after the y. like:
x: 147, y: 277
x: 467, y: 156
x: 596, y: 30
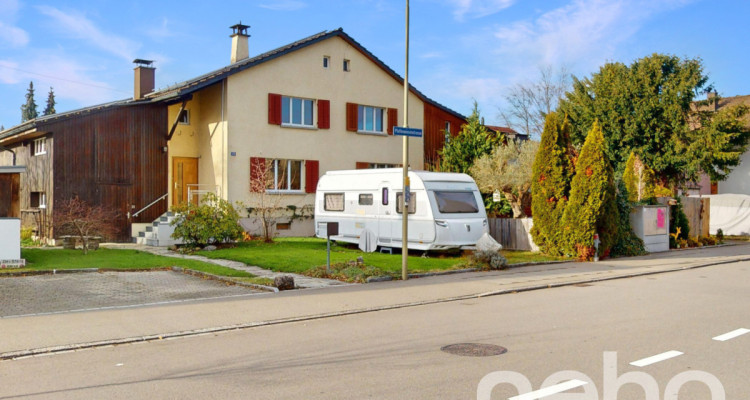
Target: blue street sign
x: 401, y: 131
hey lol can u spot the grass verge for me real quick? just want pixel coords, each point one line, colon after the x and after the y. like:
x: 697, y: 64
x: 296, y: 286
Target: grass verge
x: 307, y: 255
x: 119, y: 260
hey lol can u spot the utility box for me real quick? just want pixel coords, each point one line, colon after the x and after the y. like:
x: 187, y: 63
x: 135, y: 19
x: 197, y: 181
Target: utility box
x: 10, y: 217
x: 651, y: 224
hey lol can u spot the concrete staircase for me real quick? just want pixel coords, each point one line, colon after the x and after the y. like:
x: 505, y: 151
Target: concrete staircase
x: 158, y: 233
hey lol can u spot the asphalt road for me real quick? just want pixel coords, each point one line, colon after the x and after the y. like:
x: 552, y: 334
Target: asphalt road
x: 597, y: 330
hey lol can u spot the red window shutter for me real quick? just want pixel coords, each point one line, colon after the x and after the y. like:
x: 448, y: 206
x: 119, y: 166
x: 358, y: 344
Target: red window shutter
x: 324, y: 114
x: 363, y: 165
x: 392, y: 119
x: 352, y: 117
x: 257, y: 174
x: 274, y: 109
x: 312, y: 170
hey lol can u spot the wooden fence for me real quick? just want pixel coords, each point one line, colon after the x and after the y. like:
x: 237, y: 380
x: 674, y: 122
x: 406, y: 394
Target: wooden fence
x: 698, y: 212
x: 513, y: 233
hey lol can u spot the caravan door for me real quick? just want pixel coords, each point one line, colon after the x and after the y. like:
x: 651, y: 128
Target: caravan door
x: 385, y: 215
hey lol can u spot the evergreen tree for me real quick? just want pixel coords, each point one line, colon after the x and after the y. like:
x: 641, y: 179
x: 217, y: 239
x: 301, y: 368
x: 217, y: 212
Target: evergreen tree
x: 592, y: 207
x: 639, y: 180
x: 550, y: 185
x: 50, y: 109
x: 649, y: 107
x: 28, y: 110
x: 474, y: 141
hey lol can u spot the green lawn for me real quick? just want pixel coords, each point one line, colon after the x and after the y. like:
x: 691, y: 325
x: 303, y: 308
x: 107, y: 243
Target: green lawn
x: 124, y: 260
x: 300, y: 255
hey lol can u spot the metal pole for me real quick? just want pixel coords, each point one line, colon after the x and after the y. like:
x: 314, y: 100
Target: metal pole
x: 404, y: 204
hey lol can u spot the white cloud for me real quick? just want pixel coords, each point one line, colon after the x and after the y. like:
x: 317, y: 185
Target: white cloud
x: 478, y: 8
x: 284, y: 5
x: 432, y: 54
x: 79, y: 27
x: 162, y: 31
x: 14, y: 36
x: 9, y: 33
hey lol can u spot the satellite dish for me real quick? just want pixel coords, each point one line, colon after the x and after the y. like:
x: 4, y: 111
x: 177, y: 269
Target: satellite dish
x: 368, y: 241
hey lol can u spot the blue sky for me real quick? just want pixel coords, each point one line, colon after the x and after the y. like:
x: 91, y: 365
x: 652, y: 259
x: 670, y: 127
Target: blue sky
x: 461, y: 50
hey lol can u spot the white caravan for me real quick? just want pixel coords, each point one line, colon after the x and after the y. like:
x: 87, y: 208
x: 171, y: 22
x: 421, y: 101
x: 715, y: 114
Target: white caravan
x: 446, y: 209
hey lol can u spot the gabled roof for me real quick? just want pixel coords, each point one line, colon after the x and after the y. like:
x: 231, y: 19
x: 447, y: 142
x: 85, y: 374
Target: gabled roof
x: 175, y: 92
x: 39, y: 121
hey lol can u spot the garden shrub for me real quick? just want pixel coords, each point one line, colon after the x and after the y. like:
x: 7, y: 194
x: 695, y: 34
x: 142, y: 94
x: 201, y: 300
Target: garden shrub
x: 487, y: 259
x: 720, y: 236
x: 592, y: 206
x: 213, y: 220
x: 627, y: 243
x: 678, y: 219
x: 550, y: 185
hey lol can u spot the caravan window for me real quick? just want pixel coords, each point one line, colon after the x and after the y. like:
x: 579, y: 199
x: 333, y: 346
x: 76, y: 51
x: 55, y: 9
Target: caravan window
x: 365, y: 199
x: 385, y: 196
x: 456, y: 202
x: 333, y: 202
x: 412, y: 203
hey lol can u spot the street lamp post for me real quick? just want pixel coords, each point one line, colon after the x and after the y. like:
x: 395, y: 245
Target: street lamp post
x: 406, y: 196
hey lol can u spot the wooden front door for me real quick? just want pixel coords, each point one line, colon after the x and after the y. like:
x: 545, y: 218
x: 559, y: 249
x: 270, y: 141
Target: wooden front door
x: 184, y: 173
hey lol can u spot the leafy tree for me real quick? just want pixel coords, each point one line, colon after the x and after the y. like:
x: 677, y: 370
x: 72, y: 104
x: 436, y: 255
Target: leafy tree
x: 592, y: 206
x: 550, y: 185
x: 529, y: 103
x: 213, y: 220
x: 638, y: 179
x: 50, y: 108
x: 647, y: 108
x: 28, y: 110
x: 472, y: 142
x: 508, y: 169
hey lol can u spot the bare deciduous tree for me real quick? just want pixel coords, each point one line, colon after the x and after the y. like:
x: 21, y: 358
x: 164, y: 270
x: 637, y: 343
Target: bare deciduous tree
x: 529, y: 103
x: 77, y: 218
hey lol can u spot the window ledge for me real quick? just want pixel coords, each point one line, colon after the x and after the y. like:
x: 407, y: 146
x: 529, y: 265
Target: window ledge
x: 373, y: 133
x: 285, y: 192
x: 308, y: 127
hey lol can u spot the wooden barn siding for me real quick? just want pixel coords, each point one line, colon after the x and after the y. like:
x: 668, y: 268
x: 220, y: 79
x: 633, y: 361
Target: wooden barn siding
x: 113, y: 158
x: 434, y: 125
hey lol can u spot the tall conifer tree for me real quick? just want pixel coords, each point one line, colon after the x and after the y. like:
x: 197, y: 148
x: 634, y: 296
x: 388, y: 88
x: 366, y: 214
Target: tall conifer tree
x: 28, y: 110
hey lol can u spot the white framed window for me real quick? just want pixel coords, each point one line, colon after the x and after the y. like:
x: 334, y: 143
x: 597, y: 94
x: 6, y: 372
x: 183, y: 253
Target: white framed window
x: 296, y: 111
x: 370, y: 119
x: 447, y: 127
x: 38, y: 200
x: 284, y: 176
x: 347, y: 65
x: 184, y: 117
x: 333, y: 202
x: 40, y: 146
x: 412, y: 203
x: 326, y: 62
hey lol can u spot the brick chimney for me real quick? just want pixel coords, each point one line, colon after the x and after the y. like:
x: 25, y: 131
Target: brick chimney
x: 144, y: 78
x: 239, y: 42
x: 713, y: 101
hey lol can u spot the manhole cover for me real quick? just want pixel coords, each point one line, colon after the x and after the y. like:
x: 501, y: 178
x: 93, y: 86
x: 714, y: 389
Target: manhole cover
x: 474, y: 349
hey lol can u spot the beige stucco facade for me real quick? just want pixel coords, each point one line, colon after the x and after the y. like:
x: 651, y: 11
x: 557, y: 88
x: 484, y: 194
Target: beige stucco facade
x: 229, y: 122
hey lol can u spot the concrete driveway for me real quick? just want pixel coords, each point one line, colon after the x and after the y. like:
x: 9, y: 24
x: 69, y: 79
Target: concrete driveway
x: 45, y: 294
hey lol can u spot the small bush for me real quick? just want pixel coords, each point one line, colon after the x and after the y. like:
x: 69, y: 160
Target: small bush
x: 214, y: 220
x: 693, y: 242
x: 678, y: 222
x: 351, y: 271
x: 708, y: 240
x: 682, y: 243
x: 720, y: 236
x: 486, y: 260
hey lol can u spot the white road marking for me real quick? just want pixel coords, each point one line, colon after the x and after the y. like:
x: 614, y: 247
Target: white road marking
x: 657, y: 358
x: 548, y: 391
x: 732, y: 334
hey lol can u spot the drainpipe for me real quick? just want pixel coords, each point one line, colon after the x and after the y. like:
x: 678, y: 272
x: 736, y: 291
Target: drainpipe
x: 13, y: 152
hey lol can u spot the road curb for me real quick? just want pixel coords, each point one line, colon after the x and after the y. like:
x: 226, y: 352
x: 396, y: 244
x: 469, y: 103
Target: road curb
x: 14, y: 355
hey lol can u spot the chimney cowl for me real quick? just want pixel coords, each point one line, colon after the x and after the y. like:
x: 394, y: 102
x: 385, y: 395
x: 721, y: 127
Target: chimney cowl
x: 145, y: 78
x: 239, y: 37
